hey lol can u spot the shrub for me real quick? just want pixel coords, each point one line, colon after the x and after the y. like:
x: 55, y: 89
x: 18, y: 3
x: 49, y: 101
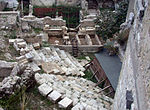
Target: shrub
x: 109, y: 21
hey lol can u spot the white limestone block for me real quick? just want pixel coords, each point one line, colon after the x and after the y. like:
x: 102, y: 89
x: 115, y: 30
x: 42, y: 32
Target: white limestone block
x: 44, y: 89
x: 54, y: 96
x: 21, y: 44
x: 78, y: 107
x: 65, y: 103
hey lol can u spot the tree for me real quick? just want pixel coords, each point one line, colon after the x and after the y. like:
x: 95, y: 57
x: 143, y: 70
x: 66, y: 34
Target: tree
x: 109, y: 21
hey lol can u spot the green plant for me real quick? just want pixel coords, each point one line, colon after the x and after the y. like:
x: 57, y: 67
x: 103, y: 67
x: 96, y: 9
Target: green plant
x: 109, y: 21
x: 123, y: 36
x: 45, y: 44
x: 88, y: 75
x: 37, y: 30
x: 16, y: 101
x: 12, y: 35
x: 69, y: 13
x: 13, y: 51
x: 110, y: 48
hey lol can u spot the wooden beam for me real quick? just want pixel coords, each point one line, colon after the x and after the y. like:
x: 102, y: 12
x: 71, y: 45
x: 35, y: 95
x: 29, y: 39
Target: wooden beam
x: 109, y: 93
x: 88, y: 63
x: 94, y: 74
x: 105, y: 88
x: 100, y: 82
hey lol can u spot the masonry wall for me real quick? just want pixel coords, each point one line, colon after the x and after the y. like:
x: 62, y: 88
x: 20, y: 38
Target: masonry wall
x: 135, y: 74
x: 53, y: 2
x: 8, y: 18
x: 2, y: 5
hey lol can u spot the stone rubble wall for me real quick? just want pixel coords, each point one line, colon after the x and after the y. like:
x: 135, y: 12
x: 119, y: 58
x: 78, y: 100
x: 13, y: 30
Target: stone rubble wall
x: 35, y: 22
x: 82, y: 48
x: 6, y: 68
x: 53, y: 2
x: 8, y: 18
x: 135, y: 72
x: 2, y: 5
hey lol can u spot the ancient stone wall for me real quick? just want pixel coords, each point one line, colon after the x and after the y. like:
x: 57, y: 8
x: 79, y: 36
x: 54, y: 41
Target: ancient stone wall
x: 82, y: 48
x: 41, y: 22
x: 2, y: 5
x: 135, y: 74
x: 54, y: 2
x: 8, y: 18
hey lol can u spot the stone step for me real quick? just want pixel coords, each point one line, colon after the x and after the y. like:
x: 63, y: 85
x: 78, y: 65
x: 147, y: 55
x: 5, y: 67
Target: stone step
x: 65, y: 103
x: 78, y: 90
x: 42, y: 56
x: 34, y: 67
x: 72, y: 68
x: 54, y: 96
x: 44, y: 89
x: 75, y: 62
x: 36, y: 57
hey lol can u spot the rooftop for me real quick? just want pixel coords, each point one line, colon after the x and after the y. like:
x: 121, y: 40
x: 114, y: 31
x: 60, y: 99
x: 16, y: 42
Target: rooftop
x: 111, y: 65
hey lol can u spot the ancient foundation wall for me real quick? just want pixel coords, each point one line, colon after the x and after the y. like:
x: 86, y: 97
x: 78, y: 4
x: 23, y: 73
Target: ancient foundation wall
x: 8, y: 18
x: 82, y: 48
x: 52, y: 2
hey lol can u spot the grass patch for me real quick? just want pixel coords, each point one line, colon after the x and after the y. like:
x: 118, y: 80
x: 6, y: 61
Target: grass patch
x: 45, y: 44
x: 13, y: 51
x: 88, y: 75
x: 2, y: 57
x: 81, y: 57
x: 13, y: 102
x: 37, y: 30
x: 11, y: 35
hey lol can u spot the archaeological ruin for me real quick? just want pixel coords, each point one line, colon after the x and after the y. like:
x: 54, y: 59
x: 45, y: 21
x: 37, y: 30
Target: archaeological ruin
x: 74, y: 55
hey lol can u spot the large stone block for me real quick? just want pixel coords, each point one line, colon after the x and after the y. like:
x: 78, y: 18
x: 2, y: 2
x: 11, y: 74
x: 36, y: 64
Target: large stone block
x: 44, y: 89
x: 54, y: 96
x: 65, y: 103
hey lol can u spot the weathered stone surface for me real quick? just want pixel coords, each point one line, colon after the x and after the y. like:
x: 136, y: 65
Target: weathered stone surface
x: 44, y: 89
x: 54, y: 96
x: 50, y: 67
x: 36, y: 45
x: 59, y: 2
x: 29, y: 56
x: 135, y: 68
x: 77, y: 89
x: 65, y: 103
x: 8, y: 18
x: 8, y: 85
x: 34, y: 67
x: 78, y: 107
x: 6, y: 68
x: 21, y: 44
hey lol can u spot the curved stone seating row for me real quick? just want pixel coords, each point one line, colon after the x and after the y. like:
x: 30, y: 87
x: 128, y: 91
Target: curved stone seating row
x: 77, y: 93
x: 54, y: 60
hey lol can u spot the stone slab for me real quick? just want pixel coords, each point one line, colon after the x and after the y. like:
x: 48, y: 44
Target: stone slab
x: 65, y: 103
x: 44, y: 89
x: 54, y: 96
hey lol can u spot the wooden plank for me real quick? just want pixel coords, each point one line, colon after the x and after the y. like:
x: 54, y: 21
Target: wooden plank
x: 94, y: 74
x: 109, y: 93
x: 105, y: 88
x: 100, y: 82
